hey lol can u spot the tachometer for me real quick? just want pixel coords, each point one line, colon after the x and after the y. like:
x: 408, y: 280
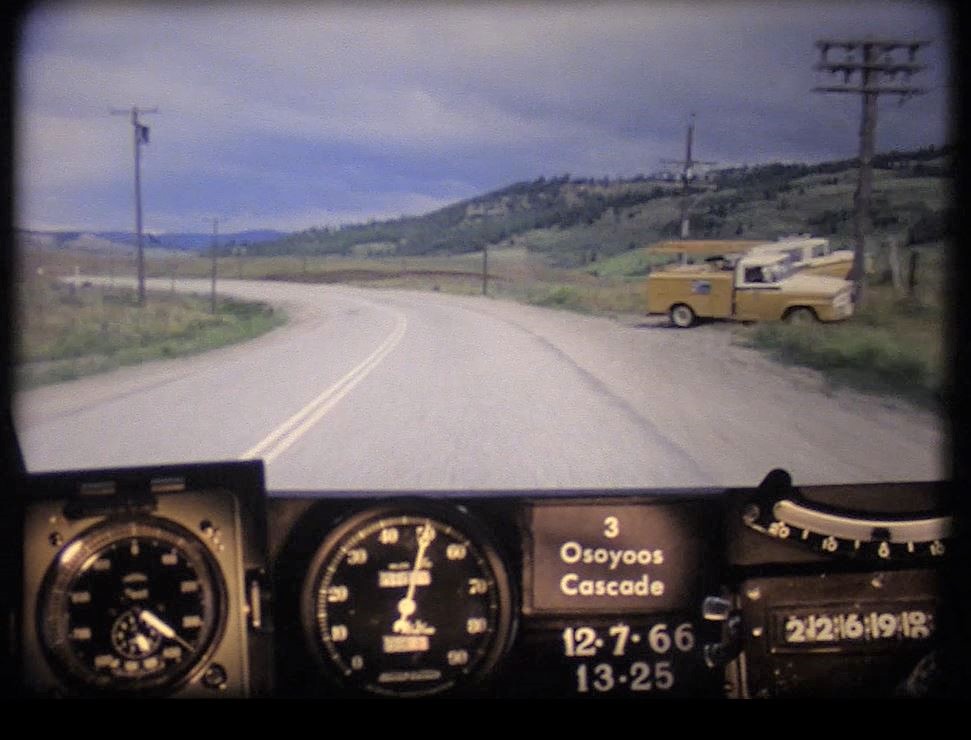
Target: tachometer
x: 407, y: 601
x: 132, y: 606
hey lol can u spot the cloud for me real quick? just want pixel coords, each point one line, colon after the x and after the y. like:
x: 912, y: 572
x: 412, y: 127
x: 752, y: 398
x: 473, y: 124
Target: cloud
x: 306, y: 100
x: 387, y: 206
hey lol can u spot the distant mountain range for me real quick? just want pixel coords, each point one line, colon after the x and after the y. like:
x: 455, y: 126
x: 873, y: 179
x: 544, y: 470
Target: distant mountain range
x: 109, y: 240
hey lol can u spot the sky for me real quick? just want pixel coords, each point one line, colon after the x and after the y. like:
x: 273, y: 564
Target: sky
x: 296, y: 115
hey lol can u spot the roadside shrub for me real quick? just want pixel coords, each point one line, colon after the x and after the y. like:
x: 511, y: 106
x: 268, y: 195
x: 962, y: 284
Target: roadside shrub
x: 871, y: 357
x: 561, y: 296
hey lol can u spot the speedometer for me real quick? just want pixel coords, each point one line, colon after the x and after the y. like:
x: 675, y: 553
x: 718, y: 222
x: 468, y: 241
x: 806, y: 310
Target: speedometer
x: 407, y: 601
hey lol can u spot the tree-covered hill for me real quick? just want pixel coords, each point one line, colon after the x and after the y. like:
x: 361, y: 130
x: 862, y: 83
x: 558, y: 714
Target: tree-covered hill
x: 577, y: 220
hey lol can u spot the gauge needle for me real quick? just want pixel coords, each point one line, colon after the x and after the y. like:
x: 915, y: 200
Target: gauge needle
x: 163, y: 629
x: 407, y: 606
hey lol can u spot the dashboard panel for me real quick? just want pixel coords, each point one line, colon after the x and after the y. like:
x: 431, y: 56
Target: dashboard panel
x: 191, y: 581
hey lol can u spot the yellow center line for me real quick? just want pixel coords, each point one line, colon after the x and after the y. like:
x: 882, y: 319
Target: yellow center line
x: 281, y: 438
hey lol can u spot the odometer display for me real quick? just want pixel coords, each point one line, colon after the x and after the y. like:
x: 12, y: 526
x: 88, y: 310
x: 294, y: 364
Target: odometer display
x: 400, y: 603
x: 851, y: 627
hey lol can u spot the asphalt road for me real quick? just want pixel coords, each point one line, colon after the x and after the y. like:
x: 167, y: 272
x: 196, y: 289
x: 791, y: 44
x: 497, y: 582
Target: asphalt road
x: 368, y: 389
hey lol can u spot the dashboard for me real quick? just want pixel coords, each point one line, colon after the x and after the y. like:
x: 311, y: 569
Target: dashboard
x: 192, y: 581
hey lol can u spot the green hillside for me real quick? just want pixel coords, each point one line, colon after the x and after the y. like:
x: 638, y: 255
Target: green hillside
x: 572, y: 222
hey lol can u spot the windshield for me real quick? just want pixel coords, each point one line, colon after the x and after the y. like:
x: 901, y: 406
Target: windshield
x: 405, y: 246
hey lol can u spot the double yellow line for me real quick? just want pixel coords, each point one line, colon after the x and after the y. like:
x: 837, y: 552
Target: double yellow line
x: 281, y: 438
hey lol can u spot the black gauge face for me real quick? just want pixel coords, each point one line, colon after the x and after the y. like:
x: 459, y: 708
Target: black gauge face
x: 403, y: 604
x: 131, y: 607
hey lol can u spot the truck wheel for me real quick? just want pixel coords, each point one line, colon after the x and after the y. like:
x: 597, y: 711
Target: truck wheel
x: 682, y: 316
x: 800, y: 316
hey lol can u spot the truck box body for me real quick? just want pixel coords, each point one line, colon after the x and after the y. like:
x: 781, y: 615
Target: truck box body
x: 707, y: 292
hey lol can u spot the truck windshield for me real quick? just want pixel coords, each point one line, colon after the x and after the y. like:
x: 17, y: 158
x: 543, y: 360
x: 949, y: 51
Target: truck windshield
x: 294, y: 234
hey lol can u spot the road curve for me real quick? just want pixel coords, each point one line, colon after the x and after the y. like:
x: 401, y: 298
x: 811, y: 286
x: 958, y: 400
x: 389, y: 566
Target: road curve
x: 385, y: 390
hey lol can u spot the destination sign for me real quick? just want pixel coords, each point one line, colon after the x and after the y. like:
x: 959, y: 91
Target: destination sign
x: 624, y: 558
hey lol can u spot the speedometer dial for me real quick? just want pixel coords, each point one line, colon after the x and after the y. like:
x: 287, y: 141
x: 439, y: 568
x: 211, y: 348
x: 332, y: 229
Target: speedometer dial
x: 407, y: 602
x: 131, y: 607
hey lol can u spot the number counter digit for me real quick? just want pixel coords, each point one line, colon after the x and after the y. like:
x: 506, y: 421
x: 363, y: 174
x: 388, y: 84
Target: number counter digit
x: 835, y: 627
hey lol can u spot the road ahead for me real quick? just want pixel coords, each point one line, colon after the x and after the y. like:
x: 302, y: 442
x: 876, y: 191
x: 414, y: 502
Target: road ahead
x: 367, y: 389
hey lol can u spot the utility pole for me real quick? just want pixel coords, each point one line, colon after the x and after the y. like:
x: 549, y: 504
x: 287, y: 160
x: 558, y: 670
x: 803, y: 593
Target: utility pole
x: 485, y: 269
x: 687, y: 164
x: 215, y: 239
x: 140, y: 137
x: 240, y: 252
x: 870, y: 68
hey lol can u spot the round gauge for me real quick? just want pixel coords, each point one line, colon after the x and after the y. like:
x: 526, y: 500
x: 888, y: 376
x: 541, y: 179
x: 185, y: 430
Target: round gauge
x: 407, y: 602
x: 131, y: 607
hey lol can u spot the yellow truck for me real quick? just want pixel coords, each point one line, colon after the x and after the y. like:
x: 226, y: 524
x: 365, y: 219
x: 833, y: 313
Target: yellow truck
x: 756, y: 286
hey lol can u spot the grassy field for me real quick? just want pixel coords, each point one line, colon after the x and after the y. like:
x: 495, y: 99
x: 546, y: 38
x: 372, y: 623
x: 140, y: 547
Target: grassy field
x: 896, y: 354
x: 894, y: 345
x: 65, y: 331
x: 514, y: 273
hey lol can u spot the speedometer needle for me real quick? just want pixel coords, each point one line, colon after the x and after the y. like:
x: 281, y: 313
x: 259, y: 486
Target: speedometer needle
x: 162, y: 628
x: 407, y: 606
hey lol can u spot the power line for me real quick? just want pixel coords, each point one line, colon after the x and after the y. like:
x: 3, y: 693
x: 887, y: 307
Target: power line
x: 869, y: 68
x: 140, y: 138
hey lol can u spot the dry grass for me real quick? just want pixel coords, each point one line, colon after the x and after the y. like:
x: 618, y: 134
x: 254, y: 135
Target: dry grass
x: 65, y: 331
